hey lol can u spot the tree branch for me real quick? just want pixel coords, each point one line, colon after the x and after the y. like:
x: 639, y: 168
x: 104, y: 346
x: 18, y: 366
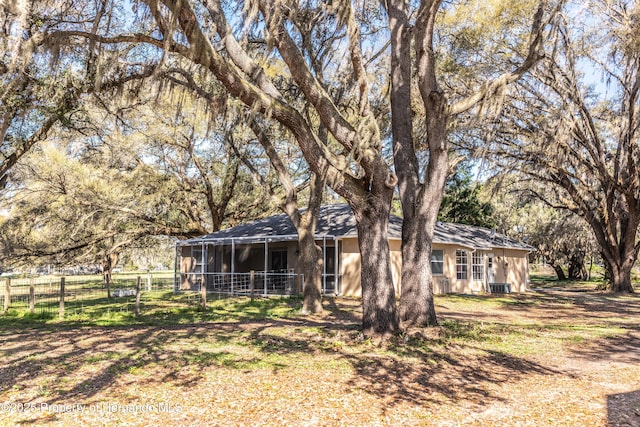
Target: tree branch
x: 535, y: 53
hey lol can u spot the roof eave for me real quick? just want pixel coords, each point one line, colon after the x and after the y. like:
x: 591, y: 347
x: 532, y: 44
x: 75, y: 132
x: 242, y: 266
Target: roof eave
x: 250, y: 239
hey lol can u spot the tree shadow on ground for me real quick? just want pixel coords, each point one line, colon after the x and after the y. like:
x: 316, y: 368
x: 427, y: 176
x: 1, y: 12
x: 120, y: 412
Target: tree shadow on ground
x: 548, y: 306
x: 414, y: 371
x: 624, y: 348
x: 623, y: 409
x: 63, y: 363
x: 442, y: 376
x: 75, y: 365
x: 51, y: 356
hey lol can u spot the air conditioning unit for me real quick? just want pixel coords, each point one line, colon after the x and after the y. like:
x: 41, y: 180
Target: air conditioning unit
x: 500, y: 288
x: 445, y: 287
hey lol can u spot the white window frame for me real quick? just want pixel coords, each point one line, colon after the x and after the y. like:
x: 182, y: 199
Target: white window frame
x: 437, y: 261
x: 462, y: 264
x: 477, y: 265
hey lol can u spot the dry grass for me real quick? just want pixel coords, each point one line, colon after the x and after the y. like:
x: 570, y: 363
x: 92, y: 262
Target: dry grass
x: 543, y: 358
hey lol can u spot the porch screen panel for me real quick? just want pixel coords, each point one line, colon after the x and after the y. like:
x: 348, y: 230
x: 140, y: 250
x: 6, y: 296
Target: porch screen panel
x: 198, y: 256
x: 329, y: 279
x: 198, y: 259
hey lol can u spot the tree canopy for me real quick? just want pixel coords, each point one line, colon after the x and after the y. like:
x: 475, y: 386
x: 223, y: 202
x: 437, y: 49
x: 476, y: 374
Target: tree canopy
x: 562, y: 239
x: 574, y: 124
x: 348, y: 81
x: 149, y: 170
x: 462, y: 202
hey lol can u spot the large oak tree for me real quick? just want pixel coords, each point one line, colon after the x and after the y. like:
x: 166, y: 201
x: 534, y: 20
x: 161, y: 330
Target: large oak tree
x: 459, y: 59
x: 147, y: 171
x: 575, y: 125
x: 379, y: 52
x: 45, y: 76
x: 344, y: 78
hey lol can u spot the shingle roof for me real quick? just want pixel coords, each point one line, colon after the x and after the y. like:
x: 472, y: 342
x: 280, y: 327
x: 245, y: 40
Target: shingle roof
x: 338, y: 221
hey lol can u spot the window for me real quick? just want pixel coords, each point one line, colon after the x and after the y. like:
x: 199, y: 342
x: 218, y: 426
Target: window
x: 437, y: 261
x: 278, y: 259
x: 330, y: 260
x: 462, y: 265
x: 477, y: 265
x: 329, y: 277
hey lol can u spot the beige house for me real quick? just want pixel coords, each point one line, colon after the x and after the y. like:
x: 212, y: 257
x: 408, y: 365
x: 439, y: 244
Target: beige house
x: 262, y: 257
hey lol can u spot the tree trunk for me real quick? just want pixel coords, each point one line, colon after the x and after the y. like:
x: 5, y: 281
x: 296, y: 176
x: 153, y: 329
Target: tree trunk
x: 558, y: 269
x: 107, y: 281
x: 310, y: 261
x: 380, y: 316
x: 416, y: 299
x: 577, y: 269
x: 620, y: 280
x: 416, y: 302
x: 310, y: 256
x: 108, y: 264
x: 619, y: 257
x: 421, y: 188
x: 310, y: 253
x: 420, y: 206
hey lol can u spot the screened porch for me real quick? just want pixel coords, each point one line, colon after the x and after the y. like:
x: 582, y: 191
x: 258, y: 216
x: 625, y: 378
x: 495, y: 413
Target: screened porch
x: 252, y: 265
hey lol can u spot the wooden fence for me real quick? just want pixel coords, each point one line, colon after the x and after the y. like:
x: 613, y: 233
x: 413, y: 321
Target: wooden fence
x: 71, y: 295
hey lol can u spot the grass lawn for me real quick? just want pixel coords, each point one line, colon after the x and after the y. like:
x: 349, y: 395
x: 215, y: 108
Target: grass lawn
x: 550, y: 357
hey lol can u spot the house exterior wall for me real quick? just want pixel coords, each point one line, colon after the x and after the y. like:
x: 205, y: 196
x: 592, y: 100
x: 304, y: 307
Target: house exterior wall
x: 396, y: 263
x: 448, y: 282
x: 351, y: 265
x: 513, y: 267
x: 509, y: 266
x: 350, y: 268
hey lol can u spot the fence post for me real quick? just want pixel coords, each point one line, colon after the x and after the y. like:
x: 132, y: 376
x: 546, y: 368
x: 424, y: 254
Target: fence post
x: 61, y: 313
x: 108, y: 280
x: 32, y: 297
x: 138, y: 296
x: 7, y: 294
x: 149, y: 281
x: 300, y: 283
x: 203, y: 291
x: 251, y: 283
